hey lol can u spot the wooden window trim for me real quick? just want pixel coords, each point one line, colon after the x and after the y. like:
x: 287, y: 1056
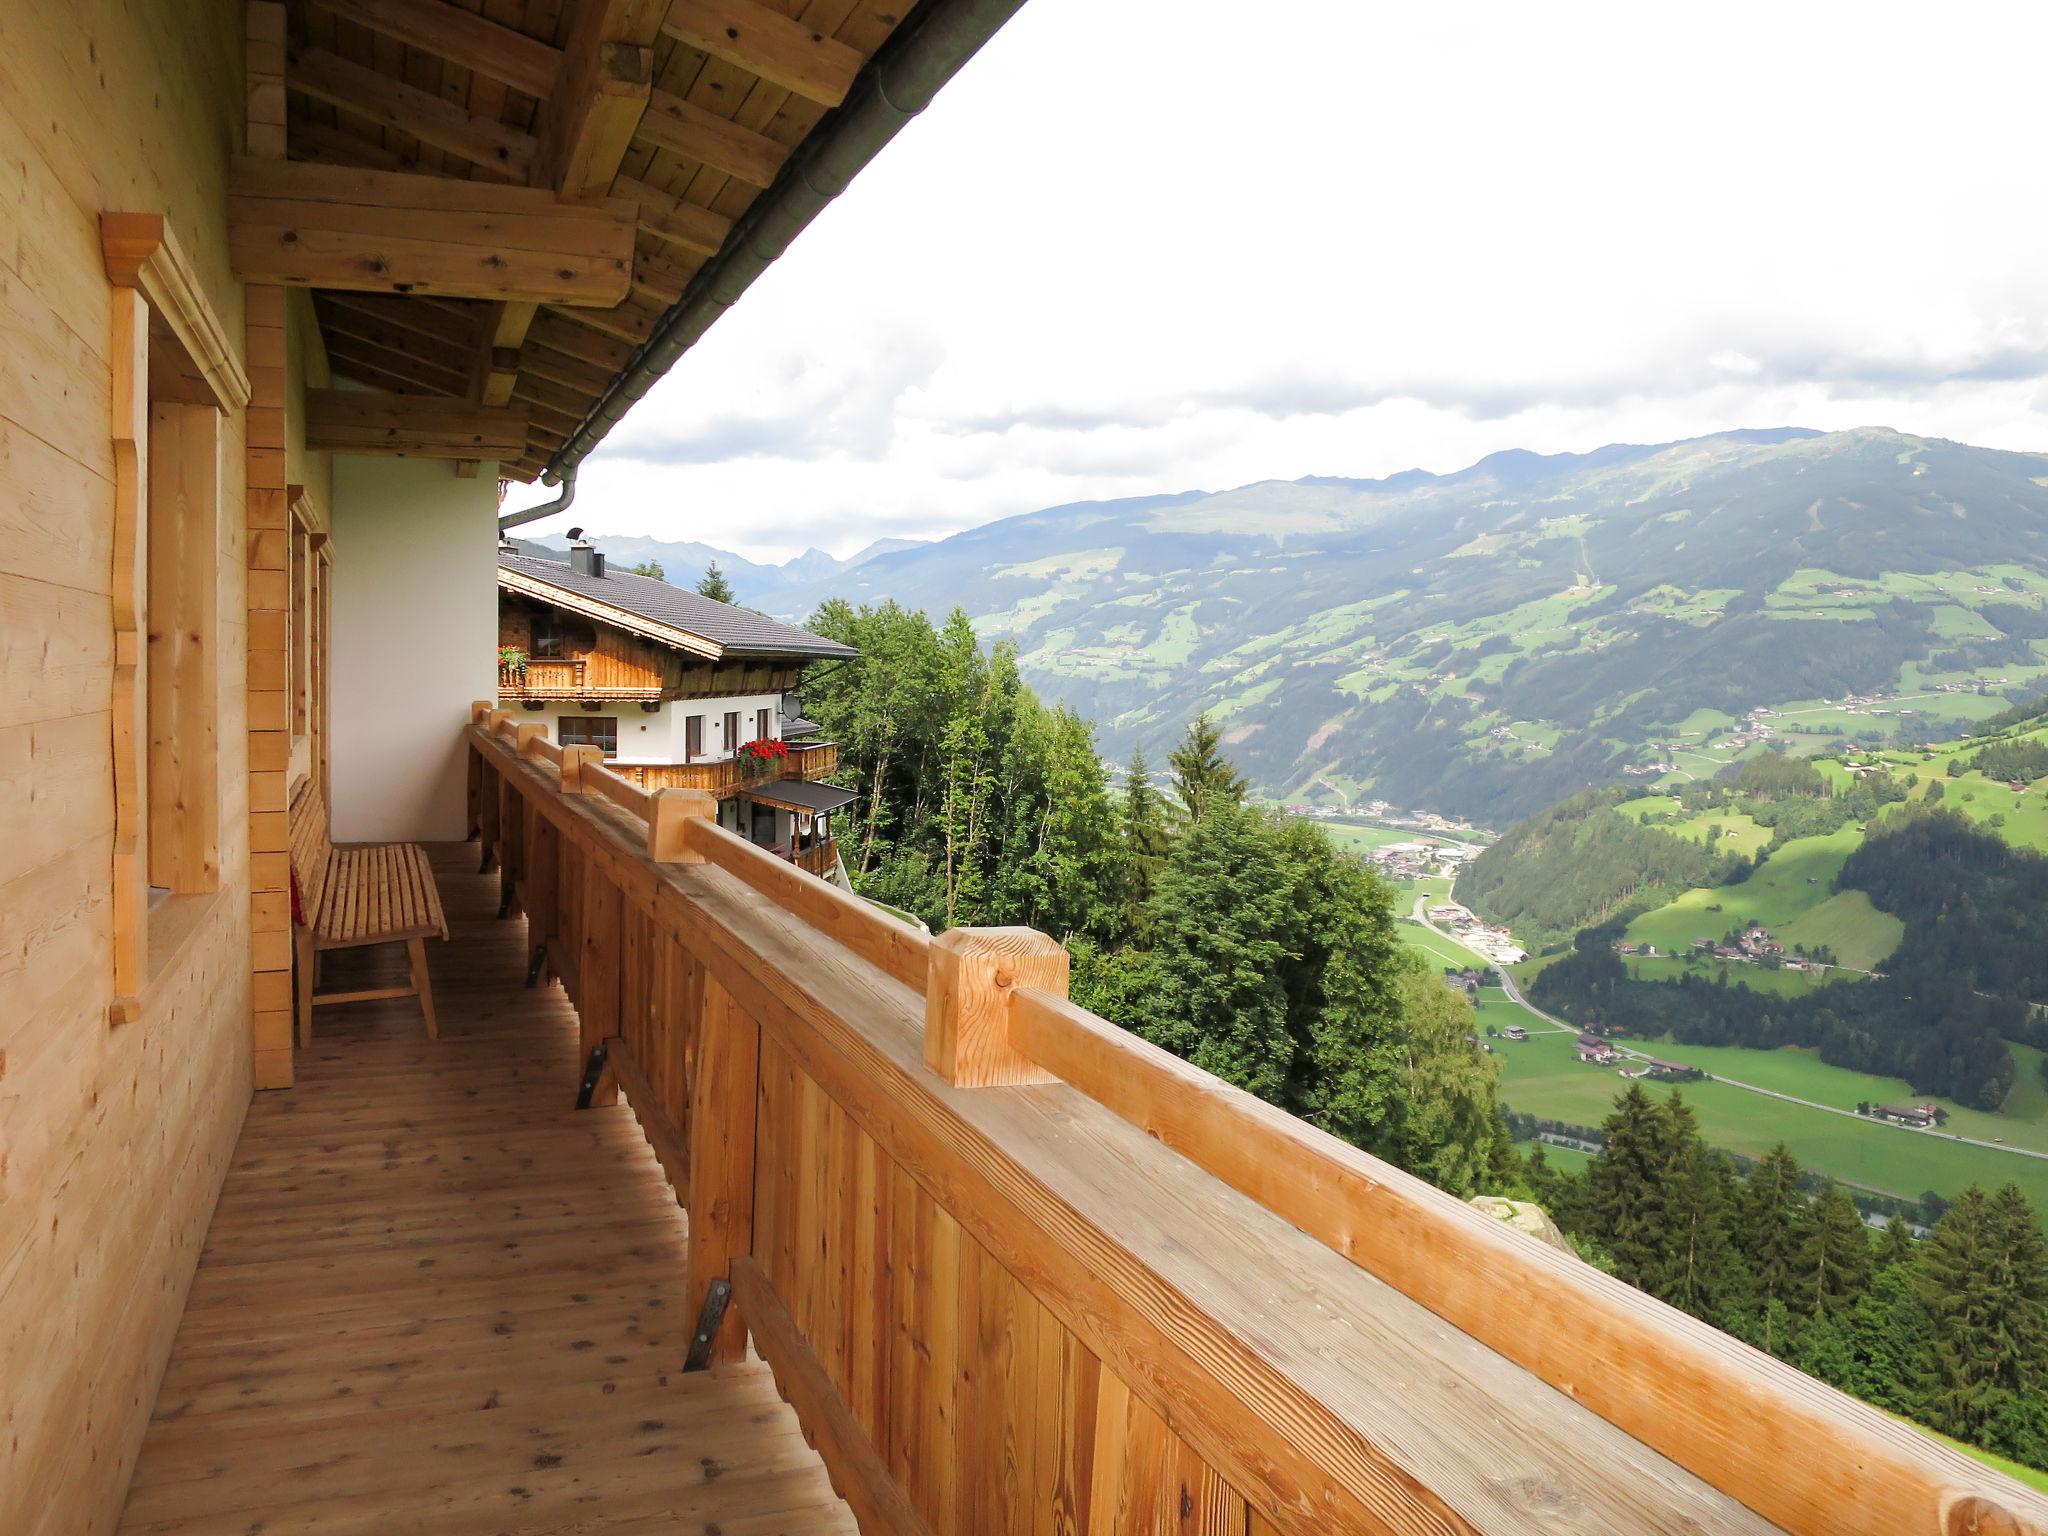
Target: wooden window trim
x: 197, y: 372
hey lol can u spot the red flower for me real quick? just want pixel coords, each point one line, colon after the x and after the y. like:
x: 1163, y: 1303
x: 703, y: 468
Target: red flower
x: 766, y: 747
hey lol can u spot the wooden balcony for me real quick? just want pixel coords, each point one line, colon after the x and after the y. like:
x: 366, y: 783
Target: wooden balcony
x: 1015, y: 1270
x: 567, y: 678
x: 437, y: 1297
x: 729, y: 775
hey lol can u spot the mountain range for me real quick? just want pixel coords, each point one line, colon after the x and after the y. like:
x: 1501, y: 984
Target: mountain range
x: 685, y: 561
x: 1485, y: 642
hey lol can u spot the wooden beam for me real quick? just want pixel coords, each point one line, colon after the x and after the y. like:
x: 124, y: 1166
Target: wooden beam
x: 632, y: 321
x: 263, y: 55
x: 461, y: 37
x: 349, y: 353
x: 669, y: 218
x: 426, y: 319
x: 767, y: 43
x: 559, y: 368
x: 661, y: 274
x: 594, y: 116
x: 686, y: 129
x: 422, y: 352
x: 349, y: 359
x: 311, y: 140
x: 329, y: 226
x: 414, y: 426
x: 566, y: 333
x: 503, y: 152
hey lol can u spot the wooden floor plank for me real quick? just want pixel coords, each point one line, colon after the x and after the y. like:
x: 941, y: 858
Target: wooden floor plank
x: 437, y: 1297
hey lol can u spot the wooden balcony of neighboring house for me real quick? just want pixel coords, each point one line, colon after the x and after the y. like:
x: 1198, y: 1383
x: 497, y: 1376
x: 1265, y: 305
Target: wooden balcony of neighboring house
x: 566, y: 679
x: 728, y: 775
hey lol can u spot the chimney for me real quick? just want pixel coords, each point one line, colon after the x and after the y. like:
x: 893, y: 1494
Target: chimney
x: 585, y: 559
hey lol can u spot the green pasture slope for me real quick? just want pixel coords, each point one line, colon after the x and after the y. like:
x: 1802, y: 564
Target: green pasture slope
x: 1790, y: 895
x: 1543, y: 1076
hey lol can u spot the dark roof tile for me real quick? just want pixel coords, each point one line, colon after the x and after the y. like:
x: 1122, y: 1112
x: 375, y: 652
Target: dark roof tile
x: 735, y: 630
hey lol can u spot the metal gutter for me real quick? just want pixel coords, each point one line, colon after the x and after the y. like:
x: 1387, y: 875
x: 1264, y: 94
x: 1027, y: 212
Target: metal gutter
x: 895, y: 85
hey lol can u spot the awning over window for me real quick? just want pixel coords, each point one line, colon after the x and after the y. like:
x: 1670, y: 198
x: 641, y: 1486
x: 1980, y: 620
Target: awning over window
x: 799, y: 795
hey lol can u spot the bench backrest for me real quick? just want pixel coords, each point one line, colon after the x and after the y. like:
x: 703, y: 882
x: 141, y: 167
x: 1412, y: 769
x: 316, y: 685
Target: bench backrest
x: 310, y: 847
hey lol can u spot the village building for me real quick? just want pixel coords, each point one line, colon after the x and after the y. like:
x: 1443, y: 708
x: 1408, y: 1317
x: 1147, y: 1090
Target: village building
x: 677, y: 691
x: 1921, y: 1117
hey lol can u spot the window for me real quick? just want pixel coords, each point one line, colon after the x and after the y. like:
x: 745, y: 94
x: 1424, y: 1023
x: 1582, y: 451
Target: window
x: 600, y: 731
x: 731, y: 744
x: 693, y: 738
x: 761, y: 731
x: 547, y: 637
x: 180, y: 606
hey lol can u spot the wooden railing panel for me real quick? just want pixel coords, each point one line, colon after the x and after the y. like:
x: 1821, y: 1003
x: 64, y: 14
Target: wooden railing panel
x: 987, y: 1411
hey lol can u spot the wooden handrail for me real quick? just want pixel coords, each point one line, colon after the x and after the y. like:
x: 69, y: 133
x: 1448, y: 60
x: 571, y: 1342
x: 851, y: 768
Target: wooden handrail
x: 1329, y: 1344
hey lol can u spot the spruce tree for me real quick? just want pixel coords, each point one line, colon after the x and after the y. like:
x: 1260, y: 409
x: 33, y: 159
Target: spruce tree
x: 1141, y: 815
x: 1626, y: 1191
x: 1835, y: 1258
x: 1202, y: 778
x: 1770, y: 1217
x: 1702, y: 1269
x: 1895, y: 1247
x: 1982, y: 1276
x: 712, y: 584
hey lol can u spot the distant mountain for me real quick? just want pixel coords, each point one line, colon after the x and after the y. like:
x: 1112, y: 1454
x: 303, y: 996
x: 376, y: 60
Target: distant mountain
x: 1487, y: 642
x: 684, y: 562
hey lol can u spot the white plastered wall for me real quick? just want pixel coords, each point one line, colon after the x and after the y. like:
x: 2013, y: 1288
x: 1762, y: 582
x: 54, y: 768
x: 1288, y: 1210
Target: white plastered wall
x: 415, y: 642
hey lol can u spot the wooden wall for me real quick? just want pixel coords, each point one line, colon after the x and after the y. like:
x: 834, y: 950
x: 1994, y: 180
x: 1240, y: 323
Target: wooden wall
x: 112, y: 1141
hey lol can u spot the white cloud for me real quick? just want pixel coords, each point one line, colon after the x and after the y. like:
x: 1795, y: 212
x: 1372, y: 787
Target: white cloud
x: 1147, y: 247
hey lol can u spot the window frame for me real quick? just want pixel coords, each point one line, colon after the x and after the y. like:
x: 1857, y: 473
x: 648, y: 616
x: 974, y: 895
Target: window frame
x: 572, y: 731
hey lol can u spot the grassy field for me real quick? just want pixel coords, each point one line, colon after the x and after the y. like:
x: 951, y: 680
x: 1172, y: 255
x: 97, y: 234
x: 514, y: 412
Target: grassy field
x: 1543, y: 1076
x: 1789, y: 895
x: 1441, y: 951
x: 1757, y: 978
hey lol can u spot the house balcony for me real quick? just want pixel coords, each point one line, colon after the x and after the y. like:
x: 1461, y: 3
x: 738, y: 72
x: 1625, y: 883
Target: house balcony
x: 565, y: 679
x: 733, y: 772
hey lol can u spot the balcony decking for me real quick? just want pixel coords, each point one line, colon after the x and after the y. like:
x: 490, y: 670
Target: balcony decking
x: 436, y: 1297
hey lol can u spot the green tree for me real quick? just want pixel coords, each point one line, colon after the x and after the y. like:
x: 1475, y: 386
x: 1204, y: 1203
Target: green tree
x: 1202, y: 778
x: 714, y: 585
x: 1702, y: 1272
x: 1141, y: 817
x: 1770, y: 1218
x: 1627, y: 1188
x: 1835, y: 1259
x: 653, y: 568
x: 1982, y: 1275
x: 1436, y: 1111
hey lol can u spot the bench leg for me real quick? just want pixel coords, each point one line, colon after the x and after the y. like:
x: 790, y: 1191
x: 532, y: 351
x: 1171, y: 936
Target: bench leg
x: 423, y: 983
x: 303, y: 961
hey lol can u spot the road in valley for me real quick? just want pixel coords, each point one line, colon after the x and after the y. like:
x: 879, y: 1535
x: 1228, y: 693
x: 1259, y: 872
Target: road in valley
x: 1514, y: 994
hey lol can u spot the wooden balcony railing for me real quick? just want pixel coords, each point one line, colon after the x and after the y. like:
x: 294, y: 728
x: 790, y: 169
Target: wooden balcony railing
x: 1017, y: 1269
x: 728, y: 775
x: 549, y: 677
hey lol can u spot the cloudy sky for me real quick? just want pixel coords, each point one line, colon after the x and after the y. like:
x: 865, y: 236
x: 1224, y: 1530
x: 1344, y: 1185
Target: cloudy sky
x: 1146, y: 245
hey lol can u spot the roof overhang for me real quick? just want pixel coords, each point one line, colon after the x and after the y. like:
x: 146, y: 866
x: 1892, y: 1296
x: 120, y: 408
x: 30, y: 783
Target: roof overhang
x: 604, y: 613
x: 800, y: 795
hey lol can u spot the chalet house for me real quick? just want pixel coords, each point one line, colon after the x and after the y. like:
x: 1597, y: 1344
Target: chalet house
x: 676, y: 691
x: 1922, y: 1117
x: 631, y: 1179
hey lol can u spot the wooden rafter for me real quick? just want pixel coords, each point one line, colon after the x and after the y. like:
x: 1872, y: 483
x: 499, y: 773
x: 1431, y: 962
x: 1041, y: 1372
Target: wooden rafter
x: 684, y: 128
x: 398, y: 363
x: 484, y: 142
x: 415, y: 426
x: 383, y: 231
x: 765, y: 42
x: 673, y: 220
x: 462, y: 37
x: 566, y: 332
x: 424, y: 319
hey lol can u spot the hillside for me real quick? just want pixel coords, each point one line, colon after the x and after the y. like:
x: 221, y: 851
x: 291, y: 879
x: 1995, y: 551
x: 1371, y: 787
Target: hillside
x: 1887, y: 908
x: 684, y: 562
x: 1487, y: 642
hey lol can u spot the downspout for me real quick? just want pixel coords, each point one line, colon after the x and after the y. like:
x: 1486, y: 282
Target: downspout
x: 547, y: 508
x: 895, y: 85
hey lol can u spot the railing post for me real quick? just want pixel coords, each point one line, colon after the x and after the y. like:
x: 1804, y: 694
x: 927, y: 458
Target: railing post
x: 668, y: 824
x: 974, y: 971
x: 525, y: 734
x: 575, y: 760
x: 723, y: 1092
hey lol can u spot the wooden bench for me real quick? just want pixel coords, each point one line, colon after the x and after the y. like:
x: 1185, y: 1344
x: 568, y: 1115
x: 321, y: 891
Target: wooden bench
x: 346, y: 898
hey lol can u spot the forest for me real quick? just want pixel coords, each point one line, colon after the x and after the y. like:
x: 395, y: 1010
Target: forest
x: 1950, y: 1329
x: 1239, y: 939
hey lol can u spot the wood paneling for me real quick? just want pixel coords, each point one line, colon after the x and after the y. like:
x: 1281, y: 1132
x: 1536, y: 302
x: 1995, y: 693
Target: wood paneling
x: 112, y: 1142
